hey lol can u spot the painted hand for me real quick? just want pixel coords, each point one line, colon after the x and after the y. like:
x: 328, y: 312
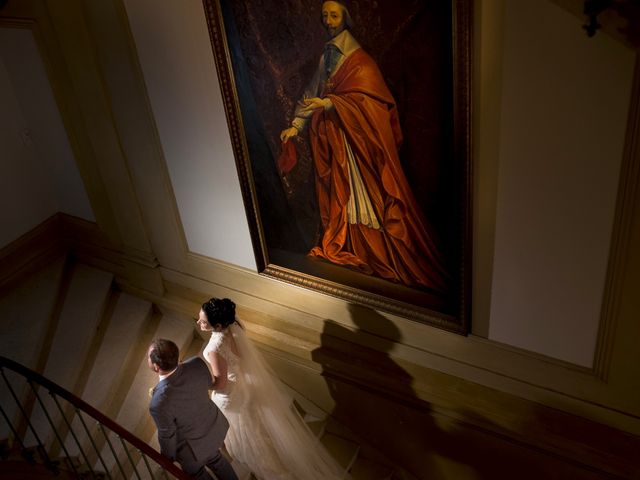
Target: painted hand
x: 314, y: 103
x: 288, y: 133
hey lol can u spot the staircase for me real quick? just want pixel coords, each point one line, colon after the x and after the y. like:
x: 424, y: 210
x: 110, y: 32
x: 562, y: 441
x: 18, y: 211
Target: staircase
x: 71, y: 324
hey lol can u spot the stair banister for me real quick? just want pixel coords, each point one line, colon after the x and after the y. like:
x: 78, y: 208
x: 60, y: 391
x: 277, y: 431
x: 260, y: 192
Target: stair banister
x: 102, y: 419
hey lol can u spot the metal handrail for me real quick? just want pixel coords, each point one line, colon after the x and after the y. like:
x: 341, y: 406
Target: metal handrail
x: 102, y: 419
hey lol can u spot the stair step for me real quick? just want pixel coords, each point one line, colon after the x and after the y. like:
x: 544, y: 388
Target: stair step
x: 115, y: 346
x: 364, y: 469
x: 194, y: 349
x: 77, y: 324
x: 136, y: 403
x: 307, y: 409
x: 80, y: 316
x: 5, y: 448
x: 28, y: 305
x: 317, y: 427
x: 127, y: 320
x: 25, y: 311
x: 342, y: 450
x: 337, y: 428
x: 134, y: 413
x: 76, y: 463
x: 242, y: 471
x: 20, y: 470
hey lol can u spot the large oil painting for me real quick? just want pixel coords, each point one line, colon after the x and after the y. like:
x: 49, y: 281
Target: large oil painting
x: 350, y: 127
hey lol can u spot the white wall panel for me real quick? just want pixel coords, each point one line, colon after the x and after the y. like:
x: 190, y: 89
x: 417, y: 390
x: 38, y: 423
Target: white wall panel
x: 38, y: 174
x: 564, y: 112
x: 175, y: 53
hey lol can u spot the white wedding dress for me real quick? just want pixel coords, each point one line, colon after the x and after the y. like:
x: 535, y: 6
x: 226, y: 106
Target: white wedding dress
x: 266, y: 433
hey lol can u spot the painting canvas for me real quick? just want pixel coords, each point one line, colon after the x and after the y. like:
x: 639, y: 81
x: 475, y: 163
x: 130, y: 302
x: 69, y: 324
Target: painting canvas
x: 350, y: 127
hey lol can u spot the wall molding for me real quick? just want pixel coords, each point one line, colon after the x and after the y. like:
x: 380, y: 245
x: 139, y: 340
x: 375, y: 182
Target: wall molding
x: 278, y: 308
x: 31, y: 251
x: 505, y: 368
x: 508, y: 369
x: 627, y: 200
x: 278, y: 318
x: 358, y: 363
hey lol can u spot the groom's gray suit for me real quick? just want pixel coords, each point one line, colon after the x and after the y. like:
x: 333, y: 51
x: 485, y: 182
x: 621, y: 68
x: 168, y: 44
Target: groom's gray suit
x: 191, y: 429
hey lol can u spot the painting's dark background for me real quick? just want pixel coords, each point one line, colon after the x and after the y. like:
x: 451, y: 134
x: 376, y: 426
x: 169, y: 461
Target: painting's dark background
x: 275, y: 47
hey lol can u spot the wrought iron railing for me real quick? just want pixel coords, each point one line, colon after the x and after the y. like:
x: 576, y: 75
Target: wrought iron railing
x: 72, y: 434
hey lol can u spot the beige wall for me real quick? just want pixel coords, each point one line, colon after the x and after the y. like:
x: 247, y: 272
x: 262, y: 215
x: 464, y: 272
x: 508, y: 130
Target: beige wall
x: 173, y: 45
x: 564, y: 107
x: 38, y: 171
x: 130, y: 84
x: 558, y: 152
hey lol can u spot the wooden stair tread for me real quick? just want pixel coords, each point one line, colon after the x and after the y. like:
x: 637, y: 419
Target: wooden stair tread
x: 21, y: 470
x: 343, y: 450
x: 317, y: 427
x: 131, y: 320
x: 364, y: 469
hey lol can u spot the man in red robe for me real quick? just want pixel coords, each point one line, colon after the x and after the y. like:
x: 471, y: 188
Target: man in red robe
x: 371, y: 220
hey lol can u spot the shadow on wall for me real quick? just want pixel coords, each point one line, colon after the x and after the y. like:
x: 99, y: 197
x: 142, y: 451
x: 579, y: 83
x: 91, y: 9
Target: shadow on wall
x: 374, y: 397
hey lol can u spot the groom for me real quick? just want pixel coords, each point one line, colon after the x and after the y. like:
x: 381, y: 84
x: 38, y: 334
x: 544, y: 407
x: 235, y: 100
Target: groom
x: 191, y: 429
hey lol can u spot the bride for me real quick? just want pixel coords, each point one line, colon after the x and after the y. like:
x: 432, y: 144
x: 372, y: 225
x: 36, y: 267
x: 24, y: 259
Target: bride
x: 266, y: 433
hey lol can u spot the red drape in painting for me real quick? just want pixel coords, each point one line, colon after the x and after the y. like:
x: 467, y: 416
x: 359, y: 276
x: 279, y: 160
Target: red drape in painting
x: 403, y: 250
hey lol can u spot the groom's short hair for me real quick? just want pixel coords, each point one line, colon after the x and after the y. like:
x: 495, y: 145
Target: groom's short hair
x: 164, y: 353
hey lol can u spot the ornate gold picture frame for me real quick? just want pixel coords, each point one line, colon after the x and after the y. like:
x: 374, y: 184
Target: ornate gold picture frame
x: 350, y: 125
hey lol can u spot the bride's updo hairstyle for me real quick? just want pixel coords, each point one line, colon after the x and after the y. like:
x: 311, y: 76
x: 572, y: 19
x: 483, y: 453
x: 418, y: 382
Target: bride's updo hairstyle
x: 220, y: 311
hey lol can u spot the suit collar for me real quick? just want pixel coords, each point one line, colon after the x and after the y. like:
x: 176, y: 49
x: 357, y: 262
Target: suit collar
x: 166, y: 380
x: 167, y: 375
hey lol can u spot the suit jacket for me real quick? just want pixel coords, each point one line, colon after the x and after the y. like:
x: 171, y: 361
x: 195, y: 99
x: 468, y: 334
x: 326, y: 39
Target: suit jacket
x: 191, y: 429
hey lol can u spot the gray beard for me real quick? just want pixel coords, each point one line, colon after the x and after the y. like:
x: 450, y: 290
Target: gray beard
x: 338, y: 31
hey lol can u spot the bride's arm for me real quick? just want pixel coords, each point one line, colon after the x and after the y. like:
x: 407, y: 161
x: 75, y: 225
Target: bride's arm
x: 218, y: 370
